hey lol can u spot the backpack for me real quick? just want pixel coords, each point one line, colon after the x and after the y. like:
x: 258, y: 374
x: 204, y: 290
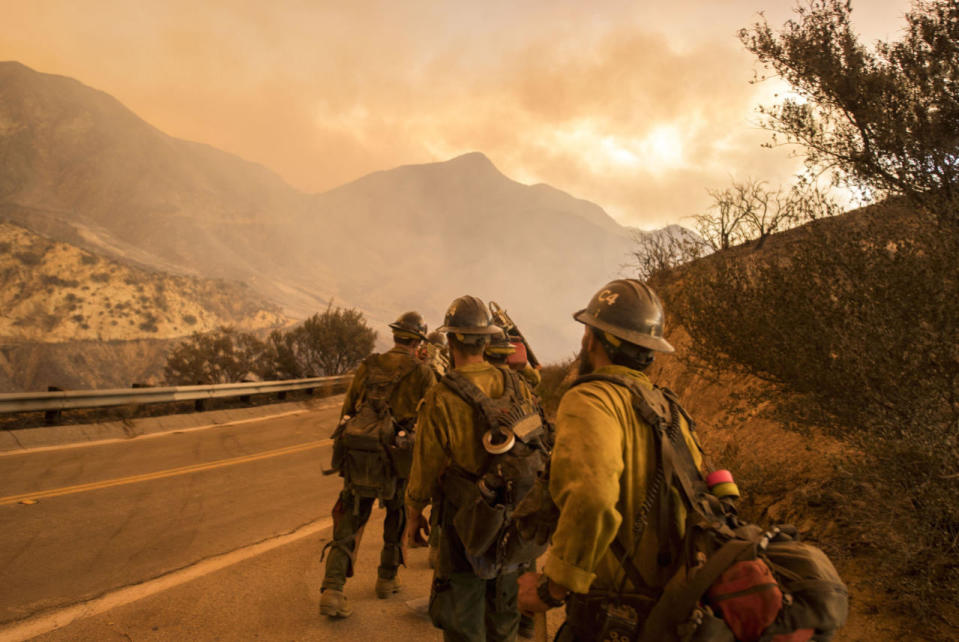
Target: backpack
x: 515, y: 436
x: 370, y: 450
x: 733, y: 580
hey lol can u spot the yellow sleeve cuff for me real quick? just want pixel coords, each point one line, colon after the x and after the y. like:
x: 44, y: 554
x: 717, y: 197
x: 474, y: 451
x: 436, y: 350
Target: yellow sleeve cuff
x: 572, y: 577
x: 416, y: 504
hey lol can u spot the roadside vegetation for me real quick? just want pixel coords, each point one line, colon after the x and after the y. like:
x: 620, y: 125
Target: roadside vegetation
x: 555, y: 381
x: 328, y: 343
x: 850, y: 322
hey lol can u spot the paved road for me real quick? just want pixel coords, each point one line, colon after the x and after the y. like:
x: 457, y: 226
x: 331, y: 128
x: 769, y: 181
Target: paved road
x: 209, y: 534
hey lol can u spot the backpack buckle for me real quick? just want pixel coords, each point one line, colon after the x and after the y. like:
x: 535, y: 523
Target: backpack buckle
x: 498, y: 447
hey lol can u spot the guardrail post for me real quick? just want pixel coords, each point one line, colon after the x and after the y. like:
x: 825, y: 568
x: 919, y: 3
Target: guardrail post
x: 245, y: 398
x: 53, y: 417
x: 281, y: 395
x: 199, y: 405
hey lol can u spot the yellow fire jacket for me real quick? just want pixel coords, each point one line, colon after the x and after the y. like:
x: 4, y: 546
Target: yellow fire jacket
x: 603, y: 460
x: 446, y: 433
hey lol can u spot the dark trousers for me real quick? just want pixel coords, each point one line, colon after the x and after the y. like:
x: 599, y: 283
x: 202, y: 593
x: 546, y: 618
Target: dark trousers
x: 566, y: 634
x: 470, y: 609
x: 354, y: 512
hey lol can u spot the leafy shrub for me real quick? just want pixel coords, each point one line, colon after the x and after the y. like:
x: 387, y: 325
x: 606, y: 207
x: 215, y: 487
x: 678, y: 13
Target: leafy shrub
x: 328, y: 343
x: 861, y: 318
x: 29, y: 258
x: 221, y: 356
x: 149, y: 324
x: 331, y: 342
x: 56, y: 281
x: 556, y: 378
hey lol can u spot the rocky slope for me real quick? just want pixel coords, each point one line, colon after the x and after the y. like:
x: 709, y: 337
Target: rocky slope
x: 53, y: 292
x: 75, y: 319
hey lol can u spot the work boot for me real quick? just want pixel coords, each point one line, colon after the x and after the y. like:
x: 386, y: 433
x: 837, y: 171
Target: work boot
x: 333, y: 603
x: 386, y: 587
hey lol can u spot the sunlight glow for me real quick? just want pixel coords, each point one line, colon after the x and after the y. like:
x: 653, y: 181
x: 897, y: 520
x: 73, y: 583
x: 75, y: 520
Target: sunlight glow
x: 655, y: 151
x: 662, y: 149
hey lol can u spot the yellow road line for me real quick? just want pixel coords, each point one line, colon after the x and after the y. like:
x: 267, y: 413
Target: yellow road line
x: 160, y: 474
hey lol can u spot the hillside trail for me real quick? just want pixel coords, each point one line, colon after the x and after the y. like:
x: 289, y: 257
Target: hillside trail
x: 777, y: 470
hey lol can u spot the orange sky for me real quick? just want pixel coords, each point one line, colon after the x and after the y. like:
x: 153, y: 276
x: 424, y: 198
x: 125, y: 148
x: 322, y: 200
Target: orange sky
x: 637, y: 106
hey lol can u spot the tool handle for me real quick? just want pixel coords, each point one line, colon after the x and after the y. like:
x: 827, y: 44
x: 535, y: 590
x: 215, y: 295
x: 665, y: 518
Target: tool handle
x: 502, y: 319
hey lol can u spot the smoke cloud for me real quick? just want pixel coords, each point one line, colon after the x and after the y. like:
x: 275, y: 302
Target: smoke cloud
x: 639, y: 109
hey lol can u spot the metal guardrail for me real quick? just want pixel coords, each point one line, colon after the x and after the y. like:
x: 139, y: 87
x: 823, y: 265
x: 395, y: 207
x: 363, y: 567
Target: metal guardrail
x: 73, y: 399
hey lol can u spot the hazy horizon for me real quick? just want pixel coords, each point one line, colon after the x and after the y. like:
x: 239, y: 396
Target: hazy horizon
x: 638, y: 109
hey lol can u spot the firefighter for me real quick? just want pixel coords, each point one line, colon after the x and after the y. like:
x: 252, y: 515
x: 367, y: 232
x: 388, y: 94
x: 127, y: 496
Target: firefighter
x: 401, y: 381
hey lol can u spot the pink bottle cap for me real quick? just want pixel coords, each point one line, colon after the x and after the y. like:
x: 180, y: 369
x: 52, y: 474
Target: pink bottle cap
x: 719, y: 477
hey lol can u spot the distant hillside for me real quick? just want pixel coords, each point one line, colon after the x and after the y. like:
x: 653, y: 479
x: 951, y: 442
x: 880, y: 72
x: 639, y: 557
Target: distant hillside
x: 77, y: 166
x: 74, y: 319
x: 73, y: 155
x: 421, y: 235
x: 53, y: 292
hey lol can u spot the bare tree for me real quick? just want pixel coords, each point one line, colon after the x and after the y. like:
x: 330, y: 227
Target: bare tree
x: 660, y: 251
x: 750, y: 211
x: 723, y: 225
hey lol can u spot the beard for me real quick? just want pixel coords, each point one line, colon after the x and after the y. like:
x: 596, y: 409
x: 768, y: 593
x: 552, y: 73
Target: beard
x: 585, y: 364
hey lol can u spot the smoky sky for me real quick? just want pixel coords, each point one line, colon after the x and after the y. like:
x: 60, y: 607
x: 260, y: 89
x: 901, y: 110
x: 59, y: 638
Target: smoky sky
x: 637, y: 106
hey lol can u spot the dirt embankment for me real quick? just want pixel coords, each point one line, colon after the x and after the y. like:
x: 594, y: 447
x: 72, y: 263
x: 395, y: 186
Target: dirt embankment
x: 78, y: 365
x: 784, y: 475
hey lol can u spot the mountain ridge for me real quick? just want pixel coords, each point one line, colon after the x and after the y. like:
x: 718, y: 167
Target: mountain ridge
x: 411, y: 237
